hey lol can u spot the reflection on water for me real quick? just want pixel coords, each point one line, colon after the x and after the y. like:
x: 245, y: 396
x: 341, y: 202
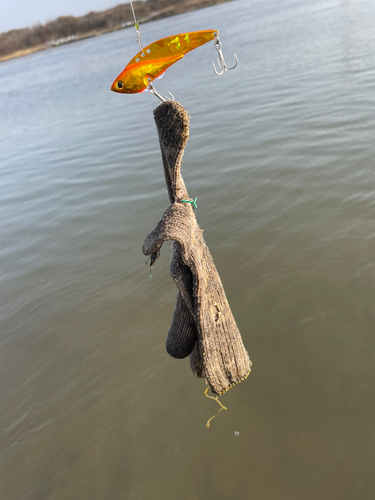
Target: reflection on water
x: 281, y: 159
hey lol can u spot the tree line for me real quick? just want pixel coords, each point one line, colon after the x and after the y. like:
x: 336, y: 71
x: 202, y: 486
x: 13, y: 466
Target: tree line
x: 94, y: 22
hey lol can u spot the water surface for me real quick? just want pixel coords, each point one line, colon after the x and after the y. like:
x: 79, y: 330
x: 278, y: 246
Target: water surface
x: 281, y: 158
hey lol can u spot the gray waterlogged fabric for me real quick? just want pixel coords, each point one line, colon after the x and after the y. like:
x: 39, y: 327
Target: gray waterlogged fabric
x: 203, y: 325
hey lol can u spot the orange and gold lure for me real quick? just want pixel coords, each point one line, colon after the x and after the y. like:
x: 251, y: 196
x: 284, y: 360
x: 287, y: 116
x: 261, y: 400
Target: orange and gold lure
x: 153, y: 61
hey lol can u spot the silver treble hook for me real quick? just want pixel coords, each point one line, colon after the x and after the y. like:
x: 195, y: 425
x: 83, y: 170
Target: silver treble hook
x: 152, y: 90
x: 222, y: 65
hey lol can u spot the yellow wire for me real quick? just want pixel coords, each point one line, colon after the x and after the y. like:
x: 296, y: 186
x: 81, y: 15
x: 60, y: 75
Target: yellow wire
x: 217, y: 400
x: 208, y: 421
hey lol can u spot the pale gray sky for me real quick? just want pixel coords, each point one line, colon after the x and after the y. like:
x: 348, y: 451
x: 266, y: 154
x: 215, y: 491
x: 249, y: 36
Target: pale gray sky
x: 24, y: 13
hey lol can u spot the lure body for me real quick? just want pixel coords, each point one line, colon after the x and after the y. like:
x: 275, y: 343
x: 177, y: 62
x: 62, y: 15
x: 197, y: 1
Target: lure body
x: 153, y: 61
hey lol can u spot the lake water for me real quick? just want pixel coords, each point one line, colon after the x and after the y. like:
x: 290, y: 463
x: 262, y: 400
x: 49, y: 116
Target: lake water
x: 281, y: 157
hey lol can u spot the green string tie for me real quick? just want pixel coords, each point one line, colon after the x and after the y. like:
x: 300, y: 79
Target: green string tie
x: 193, y: 202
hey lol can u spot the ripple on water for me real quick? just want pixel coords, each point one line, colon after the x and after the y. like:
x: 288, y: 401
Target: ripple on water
x: 280, y: 157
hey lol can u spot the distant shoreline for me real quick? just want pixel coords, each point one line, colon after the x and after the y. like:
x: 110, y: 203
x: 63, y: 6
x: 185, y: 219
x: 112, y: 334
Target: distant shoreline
x: 39, y: 48
x: 179, y: 8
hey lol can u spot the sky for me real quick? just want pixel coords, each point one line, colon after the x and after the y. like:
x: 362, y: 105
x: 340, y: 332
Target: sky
x: 25, y: 13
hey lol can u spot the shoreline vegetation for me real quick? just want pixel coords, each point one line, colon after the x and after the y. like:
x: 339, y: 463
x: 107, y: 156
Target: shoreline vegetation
x: 67, y: 29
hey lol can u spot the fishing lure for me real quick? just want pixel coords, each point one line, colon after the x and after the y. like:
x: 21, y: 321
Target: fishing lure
x: 152, y: 61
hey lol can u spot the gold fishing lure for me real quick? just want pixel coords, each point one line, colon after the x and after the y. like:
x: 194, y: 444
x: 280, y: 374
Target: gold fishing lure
x: 152, y: 62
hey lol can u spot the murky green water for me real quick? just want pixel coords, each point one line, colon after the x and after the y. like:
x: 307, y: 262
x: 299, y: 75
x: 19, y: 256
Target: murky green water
x: 281, y: 158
